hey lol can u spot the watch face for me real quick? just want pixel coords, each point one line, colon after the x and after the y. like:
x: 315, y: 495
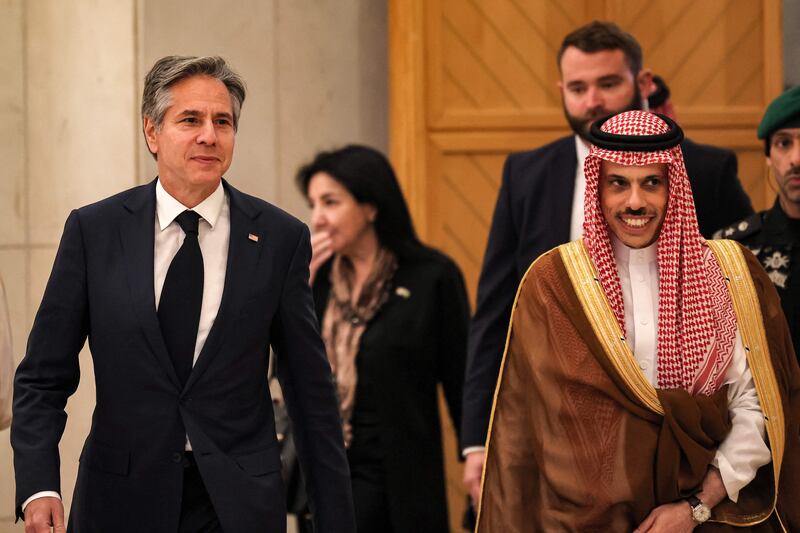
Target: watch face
x: 701, y: 513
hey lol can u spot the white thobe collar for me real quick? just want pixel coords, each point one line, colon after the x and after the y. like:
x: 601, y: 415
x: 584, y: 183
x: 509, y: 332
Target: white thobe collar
x: 634, y: 256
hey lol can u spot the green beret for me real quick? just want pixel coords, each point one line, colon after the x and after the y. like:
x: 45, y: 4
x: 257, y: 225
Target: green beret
x: 782, y: 110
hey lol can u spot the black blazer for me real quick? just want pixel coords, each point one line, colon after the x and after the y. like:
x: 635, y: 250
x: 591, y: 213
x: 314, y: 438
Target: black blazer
x: 532, y: 215
x: 130, y: 476
x: 412, y: 344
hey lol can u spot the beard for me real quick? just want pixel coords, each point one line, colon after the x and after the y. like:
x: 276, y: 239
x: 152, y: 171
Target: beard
x: 790, y: 192
x: 581, y: 124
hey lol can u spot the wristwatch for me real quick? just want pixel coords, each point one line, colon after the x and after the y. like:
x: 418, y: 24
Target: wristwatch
x: 700, y: 511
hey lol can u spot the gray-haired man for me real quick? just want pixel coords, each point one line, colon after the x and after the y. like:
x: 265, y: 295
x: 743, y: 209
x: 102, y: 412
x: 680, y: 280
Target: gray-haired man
x: 181, y: 287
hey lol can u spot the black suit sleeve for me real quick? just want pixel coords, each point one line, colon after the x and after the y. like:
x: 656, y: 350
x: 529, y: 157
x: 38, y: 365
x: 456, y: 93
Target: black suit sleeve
x: 453, y: 309
x: 307, y: 384
x: 496, y: 289
x: 50, y: 371
x: 734, y: 202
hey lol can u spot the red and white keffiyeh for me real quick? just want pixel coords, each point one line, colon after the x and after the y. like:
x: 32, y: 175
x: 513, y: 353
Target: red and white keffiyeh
x: 696, y: 321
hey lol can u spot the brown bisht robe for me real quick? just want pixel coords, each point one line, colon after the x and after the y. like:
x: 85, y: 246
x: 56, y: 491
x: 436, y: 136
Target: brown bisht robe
x: 580, y: 441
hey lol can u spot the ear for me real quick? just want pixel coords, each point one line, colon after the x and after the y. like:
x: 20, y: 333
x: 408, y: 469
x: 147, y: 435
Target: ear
x: 560, y: 86
x: 645, y: 82
x: 371, y: 211
x: 149, y: 128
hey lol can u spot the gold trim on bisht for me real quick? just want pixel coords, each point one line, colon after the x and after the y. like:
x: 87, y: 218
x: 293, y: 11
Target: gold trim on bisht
x: 586, y: 282
x: 497, y: 389
x: 751, y: 327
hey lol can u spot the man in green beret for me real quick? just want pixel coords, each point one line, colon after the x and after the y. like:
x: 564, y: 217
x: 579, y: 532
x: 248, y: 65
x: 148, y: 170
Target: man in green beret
x: 774, y: 235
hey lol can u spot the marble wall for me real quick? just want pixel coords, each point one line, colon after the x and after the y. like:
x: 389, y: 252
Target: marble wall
x: 72, y: 73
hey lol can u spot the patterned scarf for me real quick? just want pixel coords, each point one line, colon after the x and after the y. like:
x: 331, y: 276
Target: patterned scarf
x: 344, y: 323
x: 696, y: 322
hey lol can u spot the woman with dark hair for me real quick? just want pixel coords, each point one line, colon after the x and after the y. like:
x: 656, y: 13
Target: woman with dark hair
x: 393, y: 314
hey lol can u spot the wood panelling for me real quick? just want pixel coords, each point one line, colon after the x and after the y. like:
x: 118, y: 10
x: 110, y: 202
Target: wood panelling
x: 473, y: 80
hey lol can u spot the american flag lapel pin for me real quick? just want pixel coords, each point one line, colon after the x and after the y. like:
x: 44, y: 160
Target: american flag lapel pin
x: 252, y: 237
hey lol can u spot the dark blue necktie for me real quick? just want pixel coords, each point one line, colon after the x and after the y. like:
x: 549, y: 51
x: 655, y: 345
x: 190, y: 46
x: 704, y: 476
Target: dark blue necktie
x: 182, y: 297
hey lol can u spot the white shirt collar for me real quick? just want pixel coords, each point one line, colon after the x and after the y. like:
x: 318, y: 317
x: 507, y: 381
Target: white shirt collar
x: 631, y: 256
x: 167, y: 207
x: 581, y: 149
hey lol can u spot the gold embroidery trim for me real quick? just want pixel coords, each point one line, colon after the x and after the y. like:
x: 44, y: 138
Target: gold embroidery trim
x: 590, y: 293
x: 497, y: 387
x: 585, y: 280
x: 751, y: 327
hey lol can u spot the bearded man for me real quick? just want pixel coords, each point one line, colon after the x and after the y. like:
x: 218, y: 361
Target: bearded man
x: 648, y: 381
x: 540, y: 203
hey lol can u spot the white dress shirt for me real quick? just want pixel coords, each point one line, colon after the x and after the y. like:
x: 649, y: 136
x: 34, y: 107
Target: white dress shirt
x: 214, y: 229
x: 744, y: 450
x: 576, y: 220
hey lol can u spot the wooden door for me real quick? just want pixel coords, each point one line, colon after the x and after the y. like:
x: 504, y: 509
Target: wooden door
x: 472, y: 80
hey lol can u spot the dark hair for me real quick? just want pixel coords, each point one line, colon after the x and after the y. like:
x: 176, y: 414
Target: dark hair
x: 368, y: 176
x: 169, y: 70
x: 600, y: 35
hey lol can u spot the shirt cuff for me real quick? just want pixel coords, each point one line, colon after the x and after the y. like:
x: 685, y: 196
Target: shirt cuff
x: 472, y: 449
x: 42, y: 494
x: 730, y: 480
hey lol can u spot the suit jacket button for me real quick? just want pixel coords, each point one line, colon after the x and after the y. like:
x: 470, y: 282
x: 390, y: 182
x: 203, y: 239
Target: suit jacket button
x: 177, y: 457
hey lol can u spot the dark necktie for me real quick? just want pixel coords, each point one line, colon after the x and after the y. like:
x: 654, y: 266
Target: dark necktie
x: 181, y: 298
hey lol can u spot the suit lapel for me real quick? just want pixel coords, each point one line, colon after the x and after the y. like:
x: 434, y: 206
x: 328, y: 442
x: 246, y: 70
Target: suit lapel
x: 562, y: 172
x: 243, y: 255
x: 137, y: 237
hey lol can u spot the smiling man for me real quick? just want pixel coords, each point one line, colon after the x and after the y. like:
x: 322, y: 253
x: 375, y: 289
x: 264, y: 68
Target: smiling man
x: 540, y: 203
x: 774, y: 235
x: 182, y: 286
x: 648, y: 382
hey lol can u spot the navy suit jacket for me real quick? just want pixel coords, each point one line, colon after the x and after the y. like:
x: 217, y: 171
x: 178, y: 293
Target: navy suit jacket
x: 532, y: 215
x: 130, y: 475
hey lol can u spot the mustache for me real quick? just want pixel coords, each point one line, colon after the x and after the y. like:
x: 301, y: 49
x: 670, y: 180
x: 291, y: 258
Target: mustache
x: 794, y: 172
x: 635, y: 212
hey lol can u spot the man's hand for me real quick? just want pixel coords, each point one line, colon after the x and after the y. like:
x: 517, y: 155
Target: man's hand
x: 669, y: 518
x: 43, y: 513
x: 677, y: 516
x: 473, y: 469
x: 320, y: 252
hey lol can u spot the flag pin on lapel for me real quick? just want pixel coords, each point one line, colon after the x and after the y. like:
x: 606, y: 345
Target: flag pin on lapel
x: 252, y: 237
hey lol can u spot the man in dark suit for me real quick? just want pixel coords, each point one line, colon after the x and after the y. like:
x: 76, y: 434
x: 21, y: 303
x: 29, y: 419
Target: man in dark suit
x: 181, y: 286
x: 540, y: 204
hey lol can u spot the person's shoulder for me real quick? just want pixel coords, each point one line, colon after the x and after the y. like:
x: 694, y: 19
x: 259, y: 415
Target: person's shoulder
x: 110, y: 206
x: 545, y: 153
x: 744, y: 230
x: 706, y: 156
x: 430, y: 260
x: 708, y: 150
x: 268, y: 214
x: 532, y: 163
x: 541, y: 270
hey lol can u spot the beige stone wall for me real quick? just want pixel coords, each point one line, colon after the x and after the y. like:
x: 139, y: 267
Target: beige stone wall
x: 68, y: 94
x: 71, y: 81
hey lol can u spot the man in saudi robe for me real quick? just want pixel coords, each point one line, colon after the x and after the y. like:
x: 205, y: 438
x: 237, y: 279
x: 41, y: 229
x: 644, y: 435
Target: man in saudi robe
x: 649, y: 381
